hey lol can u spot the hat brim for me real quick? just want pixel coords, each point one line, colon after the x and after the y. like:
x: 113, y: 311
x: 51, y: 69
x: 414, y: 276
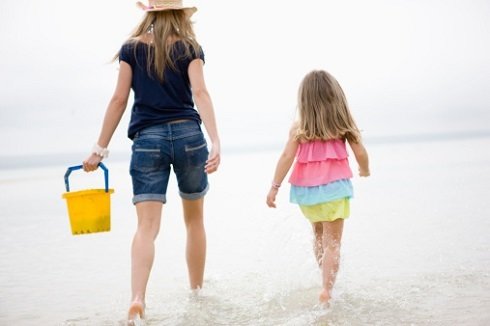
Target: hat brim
x: 188, y: 10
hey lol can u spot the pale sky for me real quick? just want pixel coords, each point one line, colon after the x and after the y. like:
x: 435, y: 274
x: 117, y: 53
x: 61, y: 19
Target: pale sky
x: 407, y: 67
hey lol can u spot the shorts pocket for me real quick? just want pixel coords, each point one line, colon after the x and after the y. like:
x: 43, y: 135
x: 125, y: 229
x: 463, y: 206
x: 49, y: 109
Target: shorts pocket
x: 147, y: 150
x: 196, y: 151
x: 146, y: 157
x: 190, y: 148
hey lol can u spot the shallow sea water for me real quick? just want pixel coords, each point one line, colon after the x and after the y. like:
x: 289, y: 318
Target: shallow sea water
x: 415, y: 250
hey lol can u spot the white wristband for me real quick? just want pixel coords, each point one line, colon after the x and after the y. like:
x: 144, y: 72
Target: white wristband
x: 102, y: 152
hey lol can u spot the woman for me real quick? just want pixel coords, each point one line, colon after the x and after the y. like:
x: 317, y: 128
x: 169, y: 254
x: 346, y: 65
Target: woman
x: 163, y: 64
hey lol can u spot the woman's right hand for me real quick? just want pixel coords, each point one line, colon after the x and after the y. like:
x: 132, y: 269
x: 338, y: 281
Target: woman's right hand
x: 92, y: 162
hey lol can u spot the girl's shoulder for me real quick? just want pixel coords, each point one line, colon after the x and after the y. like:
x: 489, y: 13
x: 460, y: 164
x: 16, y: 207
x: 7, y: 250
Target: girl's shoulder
x: 293, y: 132
x: 294, y: 128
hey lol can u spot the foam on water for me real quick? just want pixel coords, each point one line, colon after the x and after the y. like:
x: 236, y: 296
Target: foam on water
x: 425, y: 300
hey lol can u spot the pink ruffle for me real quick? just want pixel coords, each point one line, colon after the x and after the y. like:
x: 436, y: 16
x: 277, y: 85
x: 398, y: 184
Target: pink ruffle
x: 320, y: 172
x: 318, y: 150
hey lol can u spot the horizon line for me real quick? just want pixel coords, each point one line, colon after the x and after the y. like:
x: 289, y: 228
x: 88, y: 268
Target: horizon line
x: 63, y: 159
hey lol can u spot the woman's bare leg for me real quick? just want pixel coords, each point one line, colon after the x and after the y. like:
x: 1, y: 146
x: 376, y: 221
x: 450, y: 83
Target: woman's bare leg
x: 143, y: 253
x: 196, y: 241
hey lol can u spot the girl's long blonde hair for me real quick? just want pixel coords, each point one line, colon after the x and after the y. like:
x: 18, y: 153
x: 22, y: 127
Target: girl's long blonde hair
x: 323, y: 110
x: 167, y: 26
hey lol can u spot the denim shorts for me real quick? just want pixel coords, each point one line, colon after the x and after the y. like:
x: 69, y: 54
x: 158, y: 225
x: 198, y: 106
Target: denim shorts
x: 156, y: 149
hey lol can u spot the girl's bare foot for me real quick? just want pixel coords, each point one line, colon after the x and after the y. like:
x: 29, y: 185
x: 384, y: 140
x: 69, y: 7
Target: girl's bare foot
x: 136, y: 310
x: 324, y: 297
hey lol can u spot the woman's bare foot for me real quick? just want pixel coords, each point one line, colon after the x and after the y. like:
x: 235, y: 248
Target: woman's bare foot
x: 136, y: 310
x: 324, y: 297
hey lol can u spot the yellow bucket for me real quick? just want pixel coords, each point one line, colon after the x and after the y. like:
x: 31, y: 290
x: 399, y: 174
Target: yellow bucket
x: 89, y: 210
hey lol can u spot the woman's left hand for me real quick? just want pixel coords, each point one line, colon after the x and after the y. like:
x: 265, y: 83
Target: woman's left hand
x: 213, y: 161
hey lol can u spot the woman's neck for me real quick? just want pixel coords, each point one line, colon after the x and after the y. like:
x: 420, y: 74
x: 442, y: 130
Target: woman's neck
x: 147, y: 38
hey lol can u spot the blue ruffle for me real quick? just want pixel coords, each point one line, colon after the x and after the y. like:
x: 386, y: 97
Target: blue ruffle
x: 321, y: 194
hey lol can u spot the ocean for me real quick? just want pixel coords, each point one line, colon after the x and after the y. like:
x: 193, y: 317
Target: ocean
x: 415, y: 250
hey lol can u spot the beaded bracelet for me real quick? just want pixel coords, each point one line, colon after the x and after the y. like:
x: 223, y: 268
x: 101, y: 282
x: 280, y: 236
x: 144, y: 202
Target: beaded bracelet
x: 102, y: 152
x: 276, y: 185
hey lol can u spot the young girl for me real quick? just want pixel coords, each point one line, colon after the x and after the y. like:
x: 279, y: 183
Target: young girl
x: 320, y: 180
x: 163, y: 64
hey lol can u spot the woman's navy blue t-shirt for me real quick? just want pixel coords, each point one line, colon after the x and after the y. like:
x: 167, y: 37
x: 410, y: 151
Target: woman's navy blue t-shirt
x: 158, y: 102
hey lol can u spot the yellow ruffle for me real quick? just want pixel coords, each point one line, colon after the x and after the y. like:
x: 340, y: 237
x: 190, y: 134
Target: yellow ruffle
x: 327, y: 212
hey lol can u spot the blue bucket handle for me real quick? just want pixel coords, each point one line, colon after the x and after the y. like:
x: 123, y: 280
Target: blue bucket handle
x: 78, y: 167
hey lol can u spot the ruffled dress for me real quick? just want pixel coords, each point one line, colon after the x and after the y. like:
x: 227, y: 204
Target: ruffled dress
x: 320, y: 180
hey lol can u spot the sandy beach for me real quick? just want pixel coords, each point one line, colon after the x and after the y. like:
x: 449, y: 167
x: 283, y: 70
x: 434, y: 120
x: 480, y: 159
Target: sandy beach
x: 415, y: 249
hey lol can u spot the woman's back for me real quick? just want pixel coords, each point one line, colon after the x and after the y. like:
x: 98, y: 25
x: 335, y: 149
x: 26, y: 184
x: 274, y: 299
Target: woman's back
x: 158, y: 101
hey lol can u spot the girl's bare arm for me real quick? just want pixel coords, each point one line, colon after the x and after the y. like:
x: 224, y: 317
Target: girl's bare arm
x: 362, y: 158
x: 283, y: 166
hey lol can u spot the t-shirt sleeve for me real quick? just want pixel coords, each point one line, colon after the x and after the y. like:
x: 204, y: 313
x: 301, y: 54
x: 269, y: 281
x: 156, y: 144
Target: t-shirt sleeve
x: 126, y: 54
x: 199, y: 55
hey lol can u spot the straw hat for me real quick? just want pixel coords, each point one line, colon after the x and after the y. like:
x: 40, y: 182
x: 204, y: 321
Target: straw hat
x: 160, y: 5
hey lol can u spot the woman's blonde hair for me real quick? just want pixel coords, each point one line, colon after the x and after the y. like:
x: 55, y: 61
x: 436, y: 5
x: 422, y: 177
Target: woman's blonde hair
x: 166, y: 26
x: 323, y: 110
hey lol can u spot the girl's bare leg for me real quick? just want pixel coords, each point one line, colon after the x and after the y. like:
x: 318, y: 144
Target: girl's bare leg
x: 318, y: 242
x: 142, y: 253
x: 332, y: 236
x: 196, y: 241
